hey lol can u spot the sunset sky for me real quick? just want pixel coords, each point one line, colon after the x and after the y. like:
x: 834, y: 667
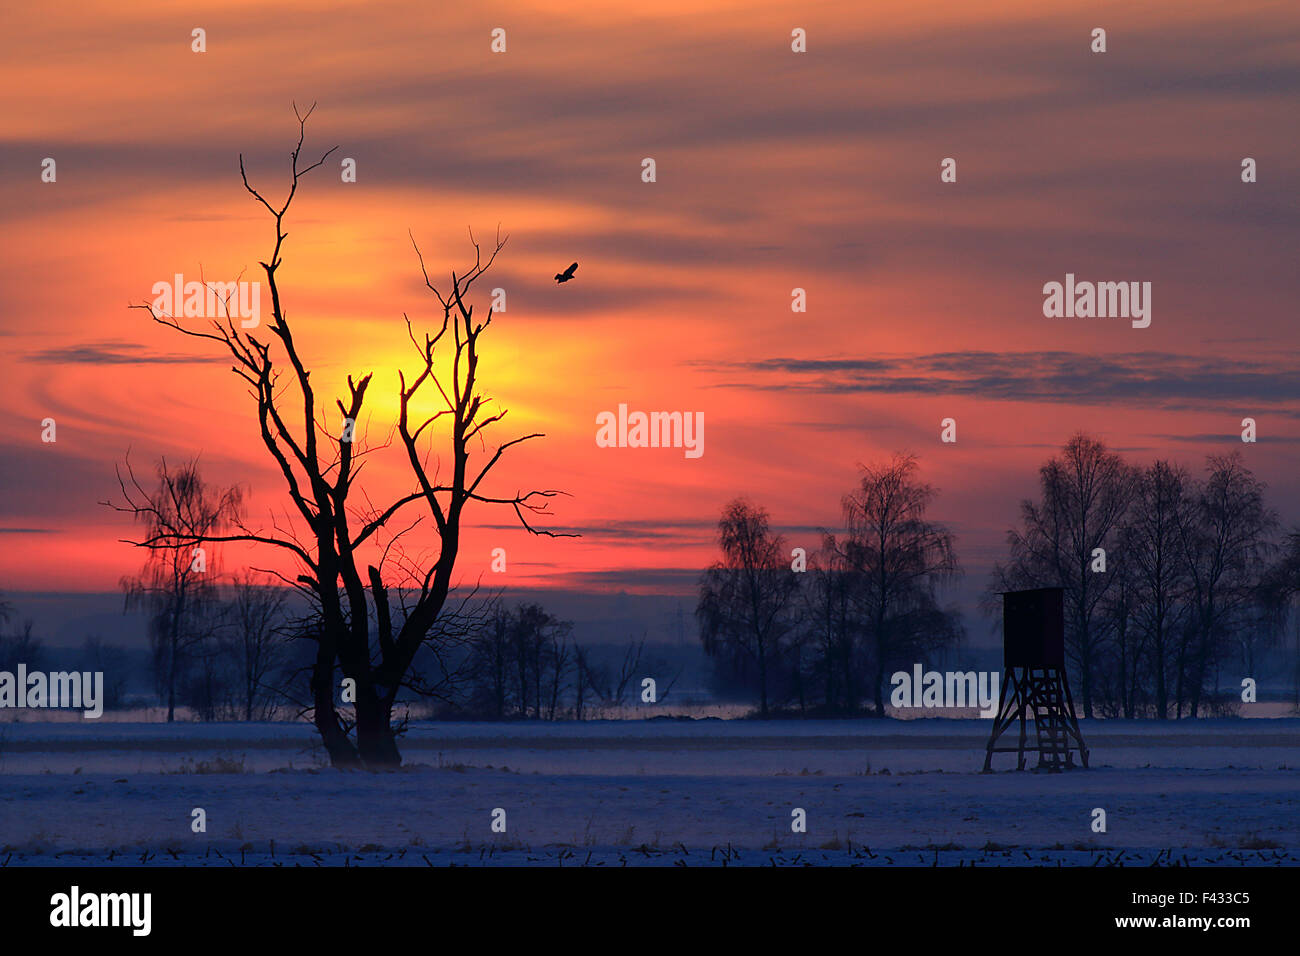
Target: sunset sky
x: 775, y: 170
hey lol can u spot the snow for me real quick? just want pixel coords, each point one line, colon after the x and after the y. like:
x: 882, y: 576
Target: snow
x: 649, y: 793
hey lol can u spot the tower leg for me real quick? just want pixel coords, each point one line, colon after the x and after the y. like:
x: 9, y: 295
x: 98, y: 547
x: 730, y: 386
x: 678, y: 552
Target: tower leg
x: 1000, y: 722
x: 1072, y: 722
x: 1024, y: 702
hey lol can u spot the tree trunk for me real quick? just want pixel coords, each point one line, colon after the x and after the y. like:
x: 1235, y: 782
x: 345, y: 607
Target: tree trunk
x: 1085, y: 659
x: 1182, y: 667
x: 341, y: 752
x: 1198, y: 685
x: 376, y: 742
x: 1162, y: 687
x: 882, y: 648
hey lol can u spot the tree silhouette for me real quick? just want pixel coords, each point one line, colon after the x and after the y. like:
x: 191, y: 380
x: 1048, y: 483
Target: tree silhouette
x: 746, y: 599
x: 1152, y: 548
x: 253, y: 618
x: 1086, y: 494
x: 1228, y: 539
x: 896, y: 558
x: 177, y: 585
x: 357, y: 631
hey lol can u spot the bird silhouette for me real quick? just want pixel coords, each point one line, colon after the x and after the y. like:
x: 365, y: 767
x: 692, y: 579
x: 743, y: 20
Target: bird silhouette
x: 567, y: 274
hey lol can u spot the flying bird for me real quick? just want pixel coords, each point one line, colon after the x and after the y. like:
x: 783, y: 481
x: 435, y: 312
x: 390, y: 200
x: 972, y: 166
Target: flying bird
x: 567, y: 274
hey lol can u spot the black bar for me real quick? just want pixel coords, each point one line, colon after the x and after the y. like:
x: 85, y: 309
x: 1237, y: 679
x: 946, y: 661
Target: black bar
x: 251, y: 906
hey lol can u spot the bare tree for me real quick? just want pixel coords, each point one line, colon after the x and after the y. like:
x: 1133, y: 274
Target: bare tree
x: 1154, y: 556
x: 490, y: 663
x: 636, y: 663
x: 629, y: 666
x: 832, y: 629
x: 538, y: 647
x: 21, y: 647
x: 1125, y: 691
x: 746, y: 598
x: 254, y: 617
x: 558, y: 654
x: 320, y: 466
x: 896, y: 559
x: 1228, y: 543
x: 110, y: 660
x: 1085, y: 495
x: 587, y: 680
x: 177, y: 585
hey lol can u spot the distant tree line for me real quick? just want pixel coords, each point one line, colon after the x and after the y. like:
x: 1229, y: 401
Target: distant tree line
x: 1174, y: 582
x: 1171, y: 580
x: 824, y: 636
x: 243, y: 656
x: 21, y: 645
x: 240, y: 647
x: 522, y: 664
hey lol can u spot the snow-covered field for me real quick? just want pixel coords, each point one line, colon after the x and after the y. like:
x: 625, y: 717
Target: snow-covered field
x: 649, y: 792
